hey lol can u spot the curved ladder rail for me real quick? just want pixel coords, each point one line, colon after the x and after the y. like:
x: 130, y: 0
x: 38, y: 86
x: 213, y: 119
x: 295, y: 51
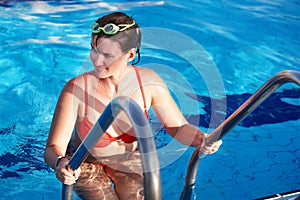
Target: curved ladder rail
x: 147, y: 147
x: 244, y: 110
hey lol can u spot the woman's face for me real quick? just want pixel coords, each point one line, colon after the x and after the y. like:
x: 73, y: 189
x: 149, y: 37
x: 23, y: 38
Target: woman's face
x: 107, y: 57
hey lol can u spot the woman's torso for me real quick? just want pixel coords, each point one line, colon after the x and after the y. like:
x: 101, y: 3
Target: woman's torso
x: 94, y: 95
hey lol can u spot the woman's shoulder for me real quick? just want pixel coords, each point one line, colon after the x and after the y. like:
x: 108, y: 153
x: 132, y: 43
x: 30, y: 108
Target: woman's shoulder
x: 145, y: 69
x: 75, y: 83
x: 148, y: 74
x: 151, y: 80
x: 79, y: 80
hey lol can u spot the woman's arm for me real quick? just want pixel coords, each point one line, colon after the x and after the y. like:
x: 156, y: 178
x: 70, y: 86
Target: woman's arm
x: 62, y: 125
x: 60, y: 134
x: 171, y: 117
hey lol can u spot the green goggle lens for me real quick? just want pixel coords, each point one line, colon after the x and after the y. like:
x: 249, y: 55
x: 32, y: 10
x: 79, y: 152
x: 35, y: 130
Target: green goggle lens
x: 110, y: 29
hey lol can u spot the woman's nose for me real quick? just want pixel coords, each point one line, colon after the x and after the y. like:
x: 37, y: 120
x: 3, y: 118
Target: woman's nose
x: 97, y: 58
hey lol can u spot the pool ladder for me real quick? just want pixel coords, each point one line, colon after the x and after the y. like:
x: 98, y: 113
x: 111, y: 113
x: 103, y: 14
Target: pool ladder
x: 147, y: 148
x: 144, y: 135
x: 244, y: 110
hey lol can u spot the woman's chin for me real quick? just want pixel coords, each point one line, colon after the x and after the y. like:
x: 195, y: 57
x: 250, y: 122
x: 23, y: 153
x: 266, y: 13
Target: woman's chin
x: 101, y: 73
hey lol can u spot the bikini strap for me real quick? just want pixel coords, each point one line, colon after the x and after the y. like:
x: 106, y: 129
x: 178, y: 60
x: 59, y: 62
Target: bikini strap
x: 85, y: 95
x: 142, y: 90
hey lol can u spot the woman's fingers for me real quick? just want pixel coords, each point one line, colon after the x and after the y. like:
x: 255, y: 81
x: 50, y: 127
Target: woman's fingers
x: 77, y: 173
x: 212, y: 148
x: 65, y: 174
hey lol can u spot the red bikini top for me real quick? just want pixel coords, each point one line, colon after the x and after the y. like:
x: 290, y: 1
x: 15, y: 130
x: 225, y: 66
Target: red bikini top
x: 86, y: 125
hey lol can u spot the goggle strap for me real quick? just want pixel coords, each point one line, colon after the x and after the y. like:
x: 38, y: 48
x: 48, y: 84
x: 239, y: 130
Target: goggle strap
x: 126, y: 26
x: 139, y: 57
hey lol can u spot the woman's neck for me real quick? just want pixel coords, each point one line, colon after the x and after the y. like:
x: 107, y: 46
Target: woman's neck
x: 113, y: 81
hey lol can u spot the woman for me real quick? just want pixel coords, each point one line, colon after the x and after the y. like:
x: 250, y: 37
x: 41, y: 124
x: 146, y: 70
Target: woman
x: 115, y: 42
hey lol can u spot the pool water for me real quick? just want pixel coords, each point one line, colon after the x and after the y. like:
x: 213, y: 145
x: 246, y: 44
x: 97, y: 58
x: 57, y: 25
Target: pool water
x: 218, y: 50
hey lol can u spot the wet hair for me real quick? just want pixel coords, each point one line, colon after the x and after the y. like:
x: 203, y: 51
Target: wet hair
x: 127, y: 39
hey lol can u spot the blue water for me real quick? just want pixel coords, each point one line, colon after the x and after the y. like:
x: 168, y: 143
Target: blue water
x: 213, y: 49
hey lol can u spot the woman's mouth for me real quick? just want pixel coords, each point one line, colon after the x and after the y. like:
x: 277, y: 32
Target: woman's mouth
x: 100, y: 70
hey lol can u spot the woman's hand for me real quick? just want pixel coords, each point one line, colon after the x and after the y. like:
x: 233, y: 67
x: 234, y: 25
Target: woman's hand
x: 211, y: 148
x: 65, y: 174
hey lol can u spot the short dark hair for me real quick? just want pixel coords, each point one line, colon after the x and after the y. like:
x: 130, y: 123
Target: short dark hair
x: 129, y: 38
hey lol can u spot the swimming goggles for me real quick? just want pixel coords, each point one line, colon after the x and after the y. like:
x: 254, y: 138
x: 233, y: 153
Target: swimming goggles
x: 110, y: 29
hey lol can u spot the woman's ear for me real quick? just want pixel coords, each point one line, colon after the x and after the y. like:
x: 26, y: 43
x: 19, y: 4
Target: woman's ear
x: 131, y: 54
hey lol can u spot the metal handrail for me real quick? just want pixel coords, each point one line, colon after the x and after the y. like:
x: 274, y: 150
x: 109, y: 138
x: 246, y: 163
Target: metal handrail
x: 147, y: 147
x: 244, y: 110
